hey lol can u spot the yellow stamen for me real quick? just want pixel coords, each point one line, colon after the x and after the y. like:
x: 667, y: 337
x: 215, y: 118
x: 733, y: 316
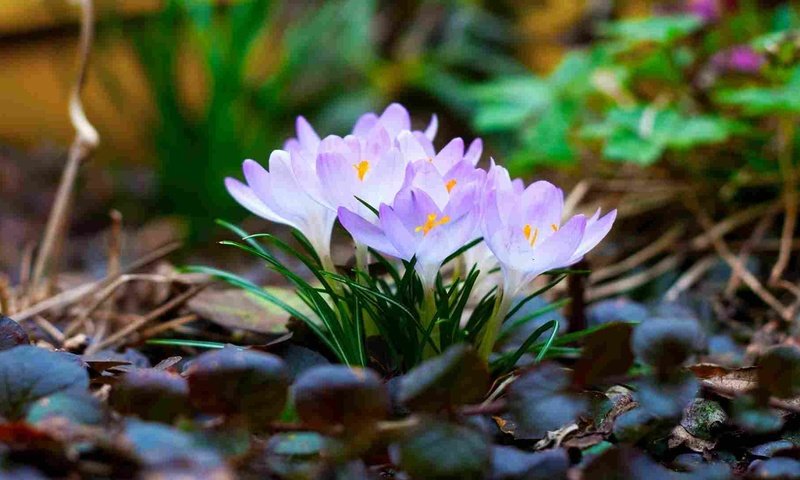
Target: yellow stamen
x: 530, y: 233
x: 554, y: 227
x: 362, y: 168
x: 450, y: 185
x: 431, y: 223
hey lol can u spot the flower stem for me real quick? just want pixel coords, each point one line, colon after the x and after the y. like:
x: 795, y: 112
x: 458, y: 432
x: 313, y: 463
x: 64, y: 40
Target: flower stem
x: 362, y: 265
x: 428, y: 315
x: 502, y: 303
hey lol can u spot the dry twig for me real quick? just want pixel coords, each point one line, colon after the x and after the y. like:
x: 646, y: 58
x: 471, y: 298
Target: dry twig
x: 786, y: 141
x: 85, y: 142
x: 725, y: 252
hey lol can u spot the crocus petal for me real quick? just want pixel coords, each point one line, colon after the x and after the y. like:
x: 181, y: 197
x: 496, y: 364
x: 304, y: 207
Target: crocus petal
x: 366, y: 233
x: 433, y: 127
x: 245, y: 197
x: 451, y: 154
x: 395, y: 119
x: 557, y: 250
x: 596, y: 230
x: 378, y: 142
x: 339, y: 180
x: 443, y: 240
x: 426, y: 178
x: 306, y: 135
x: 426, y: 144
x: 385, y: 179
x: 401, y: 239
x: 474, y: 151
x: 410, y: 147
x: 364, y: 124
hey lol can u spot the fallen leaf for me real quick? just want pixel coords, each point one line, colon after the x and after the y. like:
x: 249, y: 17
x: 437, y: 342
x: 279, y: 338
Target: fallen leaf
x: 681, y: 436
x: 738, y: 380
x: 239, y: 310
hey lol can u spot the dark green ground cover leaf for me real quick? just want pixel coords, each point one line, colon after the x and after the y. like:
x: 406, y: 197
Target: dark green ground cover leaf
x: 439, y: 450
x: 11, y: 334
x: 30, y: 373
x: 541, y: 400
x: 164, y: 449
x: 334, y: 395
x: 151, y: 394
x: 779, y: 371
x: 606, y: 352
x: 239, y: 382
x: 457, y: 377
x: 509, y: 463
x: 666, y: 343
x: 78, y: 407
x: 295, y: 455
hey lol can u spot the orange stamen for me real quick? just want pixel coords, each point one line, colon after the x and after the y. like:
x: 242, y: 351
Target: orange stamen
x: 431, y: 223
x: 530, y: 233
x: 362, y: 168
x: 450, y: 185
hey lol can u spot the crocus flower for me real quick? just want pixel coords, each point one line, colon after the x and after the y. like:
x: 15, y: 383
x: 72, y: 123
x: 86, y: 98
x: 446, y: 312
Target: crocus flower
x: 277, y: 196
x: 525, y: 232
x: 739, y: 59
x: 416, y: 226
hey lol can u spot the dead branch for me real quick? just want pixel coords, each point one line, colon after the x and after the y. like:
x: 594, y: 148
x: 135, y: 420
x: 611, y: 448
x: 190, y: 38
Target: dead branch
x: 669, y: 239
x: 85, y: 142
x: 786, y: 141
x: 77, y: 294
x: 690, y: 277
x: 142, y: 321
x: 725, y: 252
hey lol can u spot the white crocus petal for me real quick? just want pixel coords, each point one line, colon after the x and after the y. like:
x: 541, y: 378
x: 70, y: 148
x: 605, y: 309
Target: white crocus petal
x: 410, y: 147
x: 248, y: 199
x: 433, y: 127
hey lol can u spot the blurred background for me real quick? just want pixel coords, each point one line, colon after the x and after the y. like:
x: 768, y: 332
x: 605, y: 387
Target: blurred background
x: 181, y: 91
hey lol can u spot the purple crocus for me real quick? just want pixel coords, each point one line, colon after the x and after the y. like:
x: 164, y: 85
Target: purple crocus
x: 278, y: 197
x: 739, y: 59
x: 525, y: 232
x: 416, y: 226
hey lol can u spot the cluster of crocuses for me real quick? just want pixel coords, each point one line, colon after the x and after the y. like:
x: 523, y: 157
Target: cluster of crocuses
x: 394, y: 193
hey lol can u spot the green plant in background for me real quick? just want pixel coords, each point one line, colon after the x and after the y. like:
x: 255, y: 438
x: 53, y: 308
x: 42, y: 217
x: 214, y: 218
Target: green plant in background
x: 328, y: 60
x: 655, y: 88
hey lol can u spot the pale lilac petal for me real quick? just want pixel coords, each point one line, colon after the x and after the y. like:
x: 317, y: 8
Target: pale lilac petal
x: 335, y: 144
x: 413, y: 207
x: 557, y: 250
x: 395, y: 119
x: 445, y: 239
x: 292, y: 146
x: 518, y: 185
x: 433, y: 127
x: 288, y: 197
x: 545, y: 206
x: 474, y: 151
x: 426, y: 144
x: 306, y: 135
x: 410, y: 147
x: 403, y: 241
x: 305, y: 171
x: 596, y: 230
x: 462, y: 200
x: 386, y: 178
x: 428, y: 179
x: 339, y: 180
x: 364, y: 124
x: 378, y: 142
x: 451, y: 154
x: 366, y: 233
x: 257, y: 179
x: 245, y: 197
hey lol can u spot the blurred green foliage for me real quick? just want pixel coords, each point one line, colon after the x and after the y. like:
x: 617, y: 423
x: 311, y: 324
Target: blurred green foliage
x: 659, y: 87
x: 330, y: 61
